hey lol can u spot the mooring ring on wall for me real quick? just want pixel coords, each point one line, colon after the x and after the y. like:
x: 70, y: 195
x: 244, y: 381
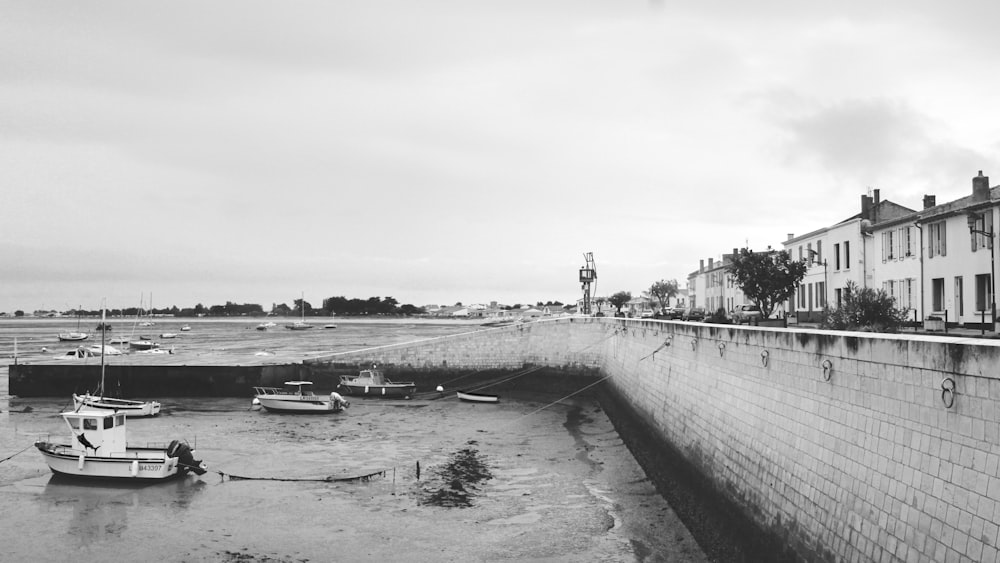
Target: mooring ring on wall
x: 948, y: 392
x: 668, y: 340
x: 694, y: 343
x: 722, y: 348
x: 827, y: 370
x: 764, y: 355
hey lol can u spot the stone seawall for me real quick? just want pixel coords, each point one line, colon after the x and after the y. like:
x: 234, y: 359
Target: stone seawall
x: 847, y: 446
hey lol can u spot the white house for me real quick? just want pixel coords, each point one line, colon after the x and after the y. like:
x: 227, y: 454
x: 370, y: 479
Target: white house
x: 838, y: 254
x: 959, y: 257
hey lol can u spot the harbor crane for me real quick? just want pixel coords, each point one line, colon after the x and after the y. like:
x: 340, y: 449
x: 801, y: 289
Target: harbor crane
x: 588, y: 276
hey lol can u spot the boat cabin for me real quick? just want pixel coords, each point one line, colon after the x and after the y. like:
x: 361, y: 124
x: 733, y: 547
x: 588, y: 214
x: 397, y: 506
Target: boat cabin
x: 371, y: 377
x: 96, y: 433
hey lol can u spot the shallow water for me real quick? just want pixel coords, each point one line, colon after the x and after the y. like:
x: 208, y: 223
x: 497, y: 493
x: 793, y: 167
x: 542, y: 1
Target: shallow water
x: 561, y: 486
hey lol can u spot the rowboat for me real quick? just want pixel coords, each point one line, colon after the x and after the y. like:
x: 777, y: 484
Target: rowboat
x: 477, y: 397
x: 296, y: 399
x: 112, y: 457
x: 373, y: 383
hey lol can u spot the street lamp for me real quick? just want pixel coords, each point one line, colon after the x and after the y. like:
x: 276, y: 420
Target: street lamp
x: 974, y: 218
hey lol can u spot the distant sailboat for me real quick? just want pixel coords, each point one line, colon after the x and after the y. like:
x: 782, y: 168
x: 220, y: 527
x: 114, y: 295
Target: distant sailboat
x: 99, y: 402
x: 301, y: 325
x: 76, y: 335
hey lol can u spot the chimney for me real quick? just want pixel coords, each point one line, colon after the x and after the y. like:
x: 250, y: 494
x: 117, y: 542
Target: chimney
x: 929, y: 201
x: 711, y: 262
x: 875, y: 203
x: 790, y: 236
x: 866, y: 207
x: 981, y: 187
x: 701, y: 265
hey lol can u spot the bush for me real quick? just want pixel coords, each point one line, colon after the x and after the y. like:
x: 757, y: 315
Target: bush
x: 866, y: 310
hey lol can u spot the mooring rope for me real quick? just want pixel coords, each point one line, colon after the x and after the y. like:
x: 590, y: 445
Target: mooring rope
x: 328, y: 479
x: 18, y: 453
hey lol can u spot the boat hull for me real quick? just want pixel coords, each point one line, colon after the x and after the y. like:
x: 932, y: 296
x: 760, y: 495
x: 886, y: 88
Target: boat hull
x: 292, y: 405
x: 386, y: 390
x: 72, y: 336
x: 91, y: 403
x: 135, y: 464
x: 477, y: 397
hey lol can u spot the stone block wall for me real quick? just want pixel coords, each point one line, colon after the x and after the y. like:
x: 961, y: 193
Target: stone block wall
x: 849, y: 446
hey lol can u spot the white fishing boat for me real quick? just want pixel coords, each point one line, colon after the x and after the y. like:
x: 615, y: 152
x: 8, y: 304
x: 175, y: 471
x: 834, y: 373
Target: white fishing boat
x: 98, y: 449
x: 373, y: 383
x: 186, y: 328
x: 297, y: 399
x: 98, y: 402
x: 169, y: 335
x: 267, y: 325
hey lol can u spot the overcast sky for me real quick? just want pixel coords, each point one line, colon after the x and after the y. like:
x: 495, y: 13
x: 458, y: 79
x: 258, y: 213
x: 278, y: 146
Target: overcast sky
x: 443, y: 151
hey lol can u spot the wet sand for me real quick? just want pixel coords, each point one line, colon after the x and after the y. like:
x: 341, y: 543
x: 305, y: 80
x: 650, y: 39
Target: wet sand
x: 563, y: 487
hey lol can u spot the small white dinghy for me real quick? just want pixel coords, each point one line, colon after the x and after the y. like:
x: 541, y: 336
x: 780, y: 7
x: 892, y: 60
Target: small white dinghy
x: 471, y: 397
x: 98, y: 450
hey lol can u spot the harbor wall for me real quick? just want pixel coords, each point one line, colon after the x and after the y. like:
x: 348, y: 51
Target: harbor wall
x: 846, y: 446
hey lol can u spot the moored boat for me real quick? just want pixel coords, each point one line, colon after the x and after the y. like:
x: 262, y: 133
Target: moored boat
x: 471, y: 397
x: 98, y: 449
x: 297, y: 399
x: 98, y: 402
x: 373, y: 383
x: 72, y: 336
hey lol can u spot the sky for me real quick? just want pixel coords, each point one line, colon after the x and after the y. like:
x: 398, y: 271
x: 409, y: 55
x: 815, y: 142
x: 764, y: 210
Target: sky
x: 462, y: 151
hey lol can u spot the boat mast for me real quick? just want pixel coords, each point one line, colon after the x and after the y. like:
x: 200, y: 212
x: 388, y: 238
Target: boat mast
x: 103, y: 347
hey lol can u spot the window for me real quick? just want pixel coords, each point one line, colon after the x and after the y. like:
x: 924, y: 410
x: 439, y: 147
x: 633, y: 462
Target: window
x: 821, y: 294
x: 90, y: 424
x: 937, y: 243
x: 907, y: 235
x: 937, y: 294
x: 888, y: 246
x: 819, y: 251
x: 836, y: 258
x: 811, y: 296
x: 109, y: 422
x: 838, y: 294
x: 983, y: 297
x: 959, y: 296
x: 847, y: 255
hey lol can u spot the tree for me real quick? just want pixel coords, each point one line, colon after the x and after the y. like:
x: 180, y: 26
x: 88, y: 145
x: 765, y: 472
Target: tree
x: 620, y: 299
x: 864, y: 309
x: 663, y: 291
x: 600, y: 302
x: 767, y: 278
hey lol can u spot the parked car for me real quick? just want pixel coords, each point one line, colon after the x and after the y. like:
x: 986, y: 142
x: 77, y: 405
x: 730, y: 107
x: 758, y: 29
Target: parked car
x: 694, y: 314
x: 673, y: 313
x: 748, y: 314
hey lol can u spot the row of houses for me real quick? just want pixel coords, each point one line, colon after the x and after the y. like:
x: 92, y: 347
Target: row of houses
x: 936, y: 263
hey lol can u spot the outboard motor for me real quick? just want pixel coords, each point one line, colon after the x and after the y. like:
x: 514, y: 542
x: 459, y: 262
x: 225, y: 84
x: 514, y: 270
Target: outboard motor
x: 337, y: 398
x: 185, y: 457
